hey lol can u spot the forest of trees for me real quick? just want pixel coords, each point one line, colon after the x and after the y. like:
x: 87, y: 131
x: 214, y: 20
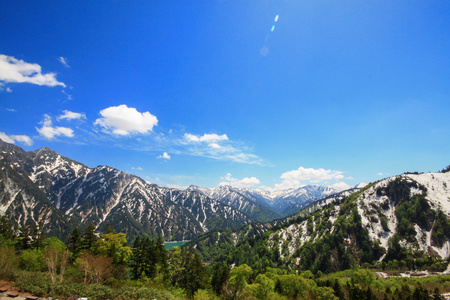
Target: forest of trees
x: 103, y: 266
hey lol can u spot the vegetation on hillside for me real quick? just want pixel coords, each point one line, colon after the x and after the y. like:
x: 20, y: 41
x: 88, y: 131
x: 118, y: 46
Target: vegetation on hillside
x: 104, y: 266
x: 333, y: 238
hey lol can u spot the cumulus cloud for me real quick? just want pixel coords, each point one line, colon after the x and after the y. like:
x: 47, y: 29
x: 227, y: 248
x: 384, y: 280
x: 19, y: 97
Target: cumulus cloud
x: 9, y: 90
x: 18, y: 71
x: 70, y: 115
x: 63, y: 61
x: 49, y: 131
x: 296, y: 178
x: 12, y: 139
x: 246, y: 182
x: 165, y: 156
x: 124, y: 120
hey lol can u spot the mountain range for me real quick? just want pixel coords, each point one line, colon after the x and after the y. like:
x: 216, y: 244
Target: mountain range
x: 403, y: 220
x: 45, y: 186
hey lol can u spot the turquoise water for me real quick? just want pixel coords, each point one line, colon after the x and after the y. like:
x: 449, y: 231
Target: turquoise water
x: 170, y: 245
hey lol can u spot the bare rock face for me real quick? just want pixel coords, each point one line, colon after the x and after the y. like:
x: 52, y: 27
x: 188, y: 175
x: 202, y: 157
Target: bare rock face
x: 44, y: 186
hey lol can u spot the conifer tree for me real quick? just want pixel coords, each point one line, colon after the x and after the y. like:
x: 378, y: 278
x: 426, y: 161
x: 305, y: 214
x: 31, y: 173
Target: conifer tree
x: 74, y: 242
x: 89, y: 238
x: 38, y: 235
x: 24, y: 237
x: 136, y: 259
x: 6, y: 229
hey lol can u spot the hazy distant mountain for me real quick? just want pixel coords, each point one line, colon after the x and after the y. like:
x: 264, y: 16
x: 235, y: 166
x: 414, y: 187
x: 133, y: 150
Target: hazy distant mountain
x: 264, y: 205
x: 43, y: 185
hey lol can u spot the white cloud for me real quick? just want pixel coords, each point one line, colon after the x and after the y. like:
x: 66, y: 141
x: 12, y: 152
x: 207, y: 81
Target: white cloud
x: 380, y: 174
x: 10, y: 109
x: 63, y: 61
x: 165, y: 156
x: 124, y: 120
x: 138, y: 168
x: 70, y: 115
x: 215, y: 146
x: 208, y: 138
x: 246, y: 182
x: 218, y: 147
x: 9, y: 90
x: 15, y: 70
x: 341, y: 186
x: 4, y: 137
x: 24, y: 139
x: 296, y: 178
x: 49, y: 131
x: 69, y: 97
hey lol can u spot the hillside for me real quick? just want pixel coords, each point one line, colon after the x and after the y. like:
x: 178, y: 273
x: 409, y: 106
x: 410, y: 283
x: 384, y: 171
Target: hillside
x: 44, y: 186
x: 265, y: 206
x: 404, y: 219
x: 243, y: 200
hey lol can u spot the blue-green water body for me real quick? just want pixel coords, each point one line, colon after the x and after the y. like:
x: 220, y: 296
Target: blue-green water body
x: 170, y: 245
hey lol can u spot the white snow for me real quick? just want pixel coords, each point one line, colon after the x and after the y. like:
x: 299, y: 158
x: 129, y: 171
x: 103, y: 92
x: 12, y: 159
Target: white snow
x: 438, y: 188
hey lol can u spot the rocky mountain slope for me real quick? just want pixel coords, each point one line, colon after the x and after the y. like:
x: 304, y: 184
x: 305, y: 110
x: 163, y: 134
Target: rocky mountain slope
x: 44, y: 186
x: 243, y: 200
x: 403, y: 219
x: 265, y: 206
x: 220, y: 242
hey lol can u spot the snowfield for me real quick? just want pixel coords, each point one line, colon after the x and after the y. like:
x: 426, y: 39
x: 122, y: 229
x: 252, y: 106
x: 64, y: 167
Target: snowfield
x: 438, y: 195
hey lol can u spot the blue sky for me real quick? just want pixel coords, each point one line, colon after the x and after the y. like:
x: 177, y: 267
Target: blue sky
x: 206, y: 93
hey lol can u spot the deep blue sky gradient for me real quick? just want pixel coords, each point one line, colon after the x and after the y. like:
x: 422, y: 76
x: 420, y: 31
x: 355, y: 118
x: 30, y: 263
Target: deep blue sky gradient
x: 359, y: 87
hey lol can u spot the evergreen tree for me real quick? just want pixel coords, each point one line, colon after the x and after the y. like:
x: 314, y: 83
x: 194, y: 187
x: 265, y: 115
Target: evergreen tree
x: 109, y: 228
x: 221, y: 274
x: 196, y: 276
x: 38, y: 235
x: 24, y: 237
x: 89, y: 238
x: 149, y: 257
x: 162, y: 255
x: 136, y: 259
x: 6, y: 229
x: 74, y: 242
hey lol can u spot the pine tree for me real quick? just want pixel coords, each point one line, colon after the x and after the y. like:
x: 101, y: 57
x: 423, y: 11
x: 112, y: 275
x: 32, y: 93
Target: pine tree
x: 136, y: 259
x: 24, y: 237
x: 6, y: 229
x: 74, y: 242
x: 220, y: 276
x: 89, y: 238
x: 38, y: 235
x: 162, y: 257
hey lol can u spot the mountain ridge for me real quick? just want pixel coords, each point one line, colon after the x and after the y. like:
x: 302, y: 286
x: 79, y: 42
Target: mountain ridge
x: 403, y: 219
x: 80, y: 195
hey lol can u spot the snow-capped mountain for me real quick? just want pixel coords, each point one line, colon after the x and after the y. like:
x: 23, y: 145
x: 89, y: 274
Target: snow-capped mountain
x: 390, y: 219
x: 44, y: 186
x: 243, y: 200
x: 281, y: 203
x: 402, y: 220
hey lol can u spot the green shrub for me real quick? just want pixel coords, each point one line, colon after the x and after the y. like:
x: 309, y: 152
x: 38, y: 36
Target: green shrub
x: 8, y: 263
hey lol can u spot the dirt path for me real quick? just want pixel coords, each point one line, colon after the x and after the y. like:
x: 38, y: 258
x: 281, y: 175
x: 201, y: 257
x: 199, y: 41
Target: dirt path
x: 11, y: 289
